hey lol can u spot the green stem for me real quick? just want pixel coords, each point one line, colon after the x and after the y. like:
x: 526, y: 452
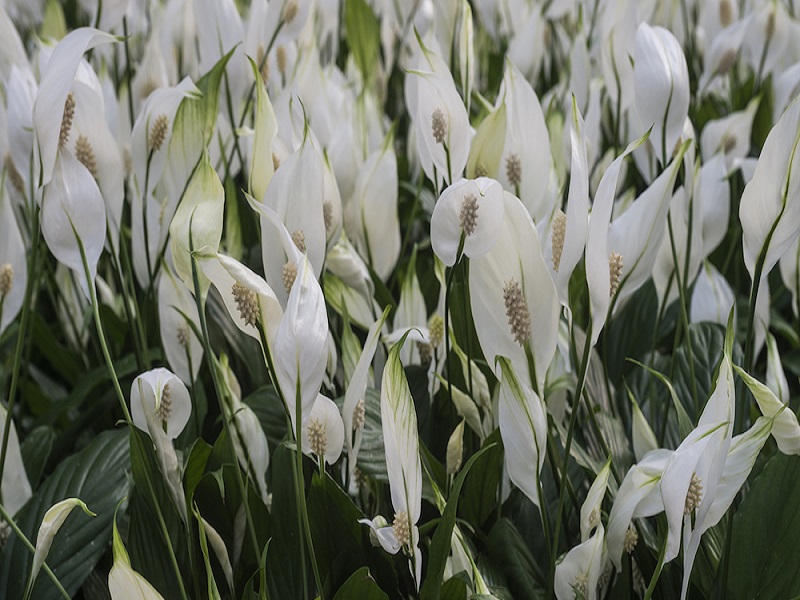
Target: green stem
x: 301, y: 495
x: 684, y: 312
x: 210, y: 357
x: 32, y: 549
x: 99, y: 324
x: 657, y: 573
x: 565, y: 464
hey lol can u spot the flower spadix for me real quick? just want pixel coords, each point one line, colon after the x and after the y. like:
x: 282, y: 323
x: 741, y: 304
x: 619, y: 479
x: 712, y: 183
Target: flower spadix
x: 400, y: 436
x: 251, y: 302
x: 514, y: 301
x: 323, y: 432
x: 467, y: 216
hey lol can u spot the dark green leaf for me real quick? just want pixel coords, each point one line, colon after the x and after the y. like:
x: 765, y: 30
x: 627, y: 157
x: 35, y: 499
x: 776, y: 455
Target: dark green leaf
x: 442, y: 539
x: 362, y: 586
x: 96, y: 475
x: 508, y: 550
x: 35, y: 452
x: 480, y: 488
x: 764, y: 552
x: 362, y: 31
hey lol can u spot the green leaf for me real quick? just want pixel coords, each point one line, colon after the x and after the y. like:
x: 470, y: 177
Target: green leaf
x: 96, y: 475
x: 362, y: 32
x: 148, y: 553
x: 763, y: 562
x: 480, y: 487
x: 372, y: 455
x: 284, y: 570
x: 454, y: 588
x: 442, y: 538
x: 271, y: 413
x: 707, y: 340
x: 35, y: 452
x: 342, y: 544
x: 360, y: 585
x: 508, y: 549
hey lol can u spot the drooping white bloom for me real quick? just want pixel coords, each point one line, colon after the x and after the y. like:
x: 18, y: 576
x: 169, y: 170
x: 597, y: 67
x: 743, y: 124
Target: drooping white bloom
x: 161, y: 406
x: 249, y: 439
x: 13, y: 263
x: 579, y: 571
x: 53, y: 520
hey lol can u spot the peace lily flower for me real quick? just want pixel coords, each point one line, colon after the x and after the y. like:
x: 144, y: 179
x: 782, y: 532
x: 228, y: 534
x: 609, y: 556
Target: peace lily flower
x: 525, y: 165
x: 712, y: 298
x: 353, y: 410
x: 514, y: 301
x: 21, y: 91
x: 199, y: 217
x: 123, y: 582
x: 578, y: 573
x: 712, y: 192
x: 769, y: 209
x: 399, y: 422
x: 13, y: 263
x: 249, y: 439
x: 440, y: 120
x: 150, y: 140
x: 639, y: 495
x: 177, y: 312
x: 15, y: 487
x: 300, y: 350
x: 467, y: 218
x: 73, y: 218
x: 54, y: 87
x: 523, y: 427
x: 161, y: 406
x: 323, y: 434
x: 295, y: 193
x: 93, y: 144
x: 251, y: 303
x: 599, y: 261
x: 730, y: 135
x: 634, y: 236
x: 569, y: 231
x: 370, y: 216
x: 661, y: 83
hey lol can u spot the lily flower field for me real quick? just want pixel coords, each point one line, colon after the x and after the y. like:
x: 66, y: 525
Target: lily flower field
x: 399, y: 299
